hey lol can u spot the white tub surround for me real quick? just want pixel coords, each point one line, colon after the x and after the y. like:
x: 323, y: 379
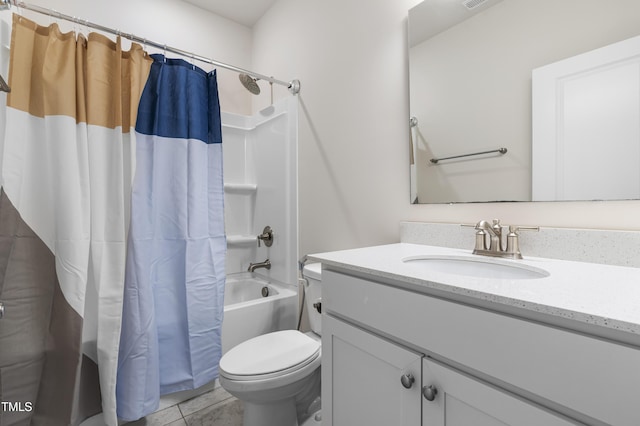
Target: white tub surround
x: 560, y: 349
x: 261, y: 189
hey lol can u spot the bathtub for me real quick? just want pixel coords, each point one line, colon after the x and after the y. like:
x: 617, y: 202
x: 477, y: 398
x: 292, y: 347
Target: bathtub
x: 247, y: 313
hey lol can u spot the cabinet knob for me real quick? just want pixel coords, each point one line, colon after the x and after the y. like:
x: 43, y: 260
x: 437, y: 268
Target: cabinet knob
x: 429, y: 392
x: 407, y: 380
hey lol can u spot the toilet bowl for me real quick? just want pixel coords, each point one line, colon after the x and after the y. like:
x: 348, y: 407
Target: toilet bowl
x: 277, y: 375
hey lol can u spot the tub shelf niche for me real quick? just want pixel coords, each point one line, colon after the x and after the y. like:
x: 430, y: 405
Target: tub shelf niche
x: 240, y: 188
x: 241, y: 240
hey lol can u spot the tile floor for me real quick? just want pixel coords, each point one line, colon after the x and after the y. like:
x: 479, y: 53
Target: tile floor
x: 216, y: 407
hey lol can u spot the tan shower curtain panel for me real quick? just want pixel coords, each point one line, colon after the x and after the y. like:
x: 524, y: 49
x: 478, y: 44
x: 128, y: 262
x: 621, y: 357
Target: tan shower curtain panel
x: 67, y: 165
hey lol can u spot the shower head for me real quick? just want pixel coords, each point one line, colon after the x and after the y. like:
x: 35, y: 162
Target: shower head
x: 249, y: 83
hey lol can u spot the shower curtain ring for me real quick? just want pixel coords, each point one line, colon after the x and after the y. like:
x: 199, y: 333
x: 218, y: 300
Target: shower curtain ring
x: 18, y: 8
x: 165, y: 53
x: 57, y: 14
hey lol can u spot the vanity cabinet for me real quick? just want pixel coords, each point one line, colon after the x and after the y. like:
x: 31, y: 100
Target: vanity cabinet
x: 376, y: 382
x: 366, y: 373
x: 461, y: 400
x: 488, y: 368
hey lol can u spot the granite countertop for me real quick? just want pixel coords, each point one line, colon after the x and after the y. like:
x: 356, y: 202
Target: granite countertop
x: 593, y: 294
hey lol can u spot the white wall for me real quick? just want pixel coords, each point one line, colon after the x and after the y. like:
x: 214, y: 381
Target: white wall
x: 174, y: 22
x: 353, y: 156
x: 354, y: 177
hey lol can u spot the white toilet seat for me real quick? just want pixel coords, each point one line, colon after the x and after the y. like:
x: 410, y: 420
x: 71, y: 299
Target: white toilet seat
x: 271, y: 355
x: 275, y: 374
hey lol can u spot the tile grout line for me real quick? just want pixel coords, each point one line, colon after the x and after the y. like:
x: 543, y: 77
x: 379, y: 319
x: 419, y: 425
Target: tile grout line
x: 220, y: 402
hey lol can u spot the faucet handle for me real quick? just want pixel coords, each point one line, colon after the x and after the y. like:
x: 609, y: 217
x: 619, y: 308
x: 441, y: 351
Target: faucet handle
x: 516, y: 228
x: 513, y: 244
x: 481, y: 242
x: 266, y: 236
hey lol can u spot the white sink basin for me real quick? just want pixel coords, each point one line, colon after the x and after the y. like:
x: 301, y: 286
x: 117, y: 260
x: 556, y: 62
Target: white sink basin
x: 476, y: 266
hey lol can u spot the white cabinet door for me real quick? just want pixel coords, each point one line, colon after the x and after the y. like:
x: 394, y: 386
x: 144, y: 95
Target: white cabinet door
x: 362, y: 379
x: 460, y: 400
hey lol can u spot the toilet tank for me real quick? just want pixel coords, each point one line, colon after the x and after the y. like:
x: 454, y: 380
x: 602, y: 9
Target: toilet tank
x: 313, y: 296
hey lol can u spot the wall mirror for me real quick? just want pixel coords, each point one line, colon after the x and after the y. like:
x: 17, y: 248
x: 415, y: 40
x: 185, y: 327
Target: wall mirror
x: 470, y: 66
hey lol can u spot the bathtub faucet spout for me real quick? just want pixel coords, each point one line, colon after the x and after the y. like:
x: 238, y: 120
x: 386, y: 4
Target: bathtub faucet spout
x: 253, y: 266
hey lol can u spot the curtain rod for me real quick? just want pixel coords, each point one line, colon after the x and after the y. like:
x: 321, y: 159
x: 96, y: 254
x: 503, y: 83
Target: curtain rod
x: 293, y: 85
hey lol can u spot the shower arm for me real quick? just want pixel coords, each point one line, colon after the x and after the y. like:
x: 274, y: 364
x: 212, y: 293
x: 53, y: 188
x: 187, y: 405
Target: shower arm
x: 293, y: 85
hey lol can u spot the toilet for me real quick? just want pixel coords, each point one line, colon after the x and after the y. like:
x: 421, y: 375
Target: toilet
x: 277, y: 375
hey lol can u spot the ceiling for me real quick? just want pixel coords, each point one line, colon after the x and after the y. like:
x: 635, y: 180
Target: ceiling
x: 435, y: 16
x: 245, y: 12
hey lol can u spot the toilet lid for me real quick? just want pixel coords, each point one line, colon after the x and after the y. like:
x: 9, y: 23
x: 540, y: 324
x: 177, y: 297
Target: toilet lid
x: 269, y: 353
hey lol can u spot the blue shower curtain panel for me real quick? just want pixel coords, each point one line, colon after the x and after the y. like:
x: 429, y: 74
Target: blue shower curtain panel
x: 175, y: 266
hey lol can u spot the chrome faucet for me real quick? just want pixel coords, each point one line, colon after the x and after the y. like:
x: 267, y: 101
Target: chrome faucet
x: 253, y: 266
x: 495, y: 247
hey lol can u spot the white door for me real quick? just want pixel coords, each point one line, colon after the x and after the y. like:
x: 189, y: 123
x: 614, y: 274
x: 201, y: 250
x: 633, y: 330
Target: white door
x: 586, y: 126
x: 455, y: 399
x: 367, y: 380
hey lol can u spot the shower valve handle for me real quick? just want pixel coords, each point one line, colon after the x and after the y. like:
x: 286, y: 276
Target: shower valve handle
x: 266, y: 236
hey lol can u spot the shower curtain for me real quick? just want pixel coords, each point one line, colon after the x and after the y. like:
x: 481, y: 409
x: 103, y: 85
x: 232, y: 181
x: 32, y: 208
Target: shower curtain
x: 78, y: 232
x: 175, y: 262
